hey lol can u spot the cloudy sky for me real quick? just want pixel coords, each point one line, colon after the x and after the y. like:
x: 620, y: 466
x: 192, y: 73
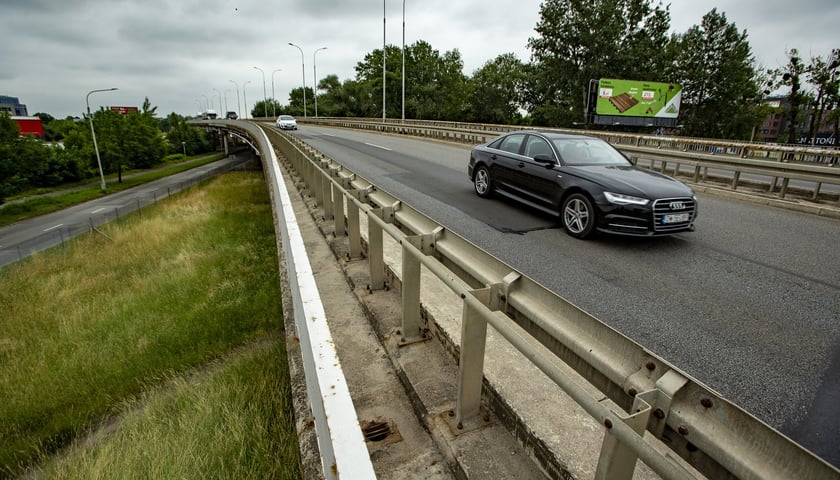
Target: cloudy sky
x: 183, y: 53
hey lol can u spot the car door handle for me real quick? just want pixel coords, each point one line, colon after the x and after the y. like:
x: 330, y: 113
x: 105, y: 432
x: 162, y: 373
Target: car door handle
x: 521, y: 164
x: 493, y: 156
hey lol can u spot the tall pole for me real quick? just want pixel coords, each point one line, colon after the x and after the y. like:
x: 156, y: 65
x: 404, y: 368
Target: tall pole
x: 245, y: 98
x: 226, y: 106
x: 383, y: 61
x: 93, y: 132
x: 238, y: 107
x: 273, y: 98
x: 265, y: 100
x: 315, y: 78
x: 303, y: 73
x: 220, y: 102
x: 403, y: 65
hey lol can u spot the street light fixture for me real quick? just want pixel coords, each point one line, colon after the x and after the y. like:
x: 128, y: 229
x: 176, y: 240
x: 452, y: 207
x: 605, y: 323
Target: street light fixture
x: 245, y: 98
x: 265, y: 100
x: 273, y: 98
x: 315, y: 79
x: 303, y: 74
x: 238, y: 107
x: 93, y: 133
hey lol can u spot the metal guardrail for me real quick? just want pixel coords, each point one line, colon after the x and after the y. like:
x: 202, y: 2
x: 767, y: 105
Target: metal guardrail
x: 713, y: 435
x: 778, y: 162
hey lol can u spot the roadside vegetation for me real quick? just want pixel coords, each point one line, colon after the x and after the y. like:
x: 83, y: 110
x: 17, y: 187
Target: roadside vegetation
x: 48, y: 200
x: 132, y: 335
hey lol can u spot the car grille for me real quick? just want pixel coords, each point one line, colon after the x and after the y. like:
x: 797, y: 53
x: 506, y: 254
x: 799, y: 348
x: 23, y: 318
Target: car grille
x: 669, y: 214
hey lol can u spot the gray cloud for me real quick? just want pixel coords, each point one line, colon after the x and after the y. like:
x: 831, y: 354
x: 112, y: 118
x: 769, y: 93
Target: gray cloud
x: 180, y: 54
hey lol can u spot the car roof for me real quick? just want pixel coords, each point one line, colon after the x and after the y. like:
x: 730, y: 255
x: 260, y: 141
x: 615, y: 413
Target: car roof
x: 554, y: 135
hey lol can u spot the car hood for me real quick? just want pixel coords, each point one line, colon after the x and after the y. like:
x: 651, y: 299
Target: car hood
x: 631, y: 180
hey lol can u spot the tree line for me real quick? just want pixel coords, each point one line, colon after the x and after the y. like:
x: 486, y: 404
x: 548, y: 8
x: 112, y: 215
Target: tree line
x: 723, y: 86
x: 137, y: 140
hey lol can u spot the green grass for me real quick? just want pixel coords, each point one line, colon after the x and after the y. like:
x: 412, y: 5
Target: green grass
x: 40, y: 205
x: 90, y: 325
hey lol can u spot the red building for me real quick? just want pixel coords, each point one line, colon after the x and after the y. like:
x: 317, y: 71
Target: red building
x: 30, y: 126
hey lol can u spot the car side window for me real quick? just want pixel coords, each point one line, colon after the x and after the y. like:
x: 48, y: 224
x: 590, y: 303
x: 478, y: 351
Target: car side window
x: 537, y: 146
x: 512, y: 143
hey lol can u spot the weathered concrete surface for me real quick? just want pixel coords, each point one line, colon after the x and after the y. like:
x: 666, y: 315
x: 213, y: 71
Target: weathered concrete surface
x: 533, y: 429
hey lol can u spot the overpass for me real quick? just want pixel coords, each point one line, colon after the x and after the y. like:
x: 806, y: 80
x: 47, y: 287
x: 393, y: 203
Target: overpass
x: 636, y: 399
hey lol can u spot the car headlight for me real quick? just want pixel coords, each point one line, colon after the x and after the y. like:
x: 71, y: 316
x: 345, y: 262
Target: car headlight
x: 621, y: 199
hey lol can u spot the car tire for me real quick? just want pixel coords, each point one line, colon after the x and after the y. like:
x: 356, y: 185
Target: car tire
x: 578, y: 216
x: 483, y: 182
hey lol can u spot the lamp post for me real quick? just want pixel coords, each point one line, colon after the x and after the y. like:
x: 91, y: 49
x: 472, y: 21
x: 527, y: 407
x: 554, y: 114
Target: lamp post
x: 303, y: 74
x: 383, y: 61
x: 315, y: 79
x: 206, y: 103
x: 273, y: 98
x: 403, y: 65
x: 226, y: 105
x: 184, y: 145
x: 265, y: 100
x: 245, y: 98
x: 238, y: 108
x: 220, y: 101
x: 93, y: 133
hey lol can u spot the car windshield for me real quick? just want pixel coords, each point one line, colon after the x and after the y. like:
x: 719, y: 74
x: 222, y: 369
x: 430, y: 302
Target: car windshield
x: 286, y: 117
x: 586, y: 151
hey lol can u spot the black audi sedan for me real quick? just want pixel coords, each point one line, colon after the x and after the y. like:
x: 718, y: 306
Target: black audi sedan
x: 584, y: 180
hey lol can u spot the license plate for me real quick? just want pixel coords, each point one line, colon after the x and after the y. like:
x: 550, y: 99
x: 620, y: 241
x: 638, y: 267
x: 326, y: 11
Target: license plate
x: 676, y: 218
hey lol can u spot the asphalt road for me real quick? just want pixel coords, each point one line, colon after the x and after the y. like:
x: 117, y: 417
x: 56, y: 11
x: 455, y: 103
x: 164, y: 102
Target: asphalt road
x: 22, y: 238
x: 749, y: 304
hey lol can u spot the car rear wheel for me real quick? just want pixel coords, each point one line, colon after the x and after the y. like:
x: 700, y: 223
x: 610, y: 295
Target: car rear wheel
x: 483, y: 182
x: 578, y: 216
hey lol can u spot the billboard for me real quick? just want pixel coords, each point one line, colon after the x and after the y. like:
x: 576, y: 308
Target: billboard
x: 125, y: 110
x: 633, y: 98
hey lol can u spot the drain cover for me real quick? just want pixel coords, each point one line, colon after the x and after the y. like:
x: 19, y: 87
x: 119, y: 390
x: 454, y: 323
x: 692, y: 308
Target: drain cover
x: 380, y: 431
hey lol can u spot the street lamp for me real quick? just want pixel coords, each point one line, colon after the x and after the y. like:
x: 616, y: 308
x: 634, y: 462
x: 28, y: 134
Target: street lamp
x: 245, y: 98
x: 273, y: 98
x: 226, y: 105
x: 93, y: 133
x: 403, y: 72
x: 238, y: 107
x: 383, y: 61
x: 184, y: 144
x: 315, y: 79
x: 220, y: 101
x: 265, y: 100
x: 303, y: 74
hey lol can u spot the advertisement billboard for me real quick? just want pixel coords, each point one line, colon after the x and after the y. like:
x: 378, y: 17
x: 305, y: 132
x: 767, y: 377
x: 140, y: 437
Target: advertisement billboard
x: 633, y: 98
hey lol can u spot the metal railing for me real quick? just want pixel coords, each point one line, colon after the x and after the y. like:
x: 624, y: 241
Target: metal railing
x: 714, y: 436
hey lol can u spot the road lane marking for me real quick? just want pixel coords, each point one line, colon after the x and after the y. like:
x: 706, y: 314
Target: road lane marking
x: 378, y: 146
x: 98, y: 210
x: 54, y: 227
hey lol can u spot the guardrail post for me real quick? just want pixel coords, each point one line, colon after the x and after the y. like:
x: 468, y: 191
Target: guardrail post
x: 783, y: 192
x: 338, y: 211
x: 326, y: 186
x: 412, y: 324
x: 735, y: 178
x: 471, y: 362
x: 618, y: 461
x: 355, y: 227
x: 375, y: 251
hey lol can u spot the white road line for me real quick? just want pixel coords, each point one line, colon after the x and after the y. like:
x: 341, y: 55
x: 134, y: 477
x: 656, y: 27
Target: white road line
x: 53, y: 227
x: 98, y: 210
x: 378, y: 146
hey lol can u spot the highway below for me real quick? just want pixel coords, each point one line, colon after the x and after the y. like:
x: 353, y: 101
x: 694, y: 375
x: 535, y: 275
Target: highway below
x: 749, y: 304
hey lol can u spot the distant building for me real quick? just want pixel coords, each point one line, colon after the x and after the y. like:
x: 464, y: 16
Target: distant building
x: 775, y: 126
x: 12, y: 106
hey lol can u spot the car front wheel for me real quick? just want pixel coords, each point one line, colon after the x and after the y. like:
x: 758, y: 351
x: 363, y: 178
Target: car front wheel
x: 483, y: 182
x: 578, y: 216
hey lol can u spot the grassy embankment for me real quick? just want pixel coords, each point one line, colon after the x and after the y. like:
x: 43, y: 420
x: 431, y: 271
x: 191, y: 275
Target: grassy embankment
x: 169, y: 333
x: 41, y: 204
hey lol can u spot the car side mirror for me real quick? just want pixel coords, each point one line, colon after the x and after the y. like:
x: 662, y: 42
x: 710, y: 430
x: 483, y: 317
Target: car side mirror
x: 548, y: 160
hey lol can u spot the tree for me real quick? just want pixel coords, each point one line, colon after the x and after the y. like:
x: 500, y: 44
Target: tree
x: 266, y: 108
x: 435, y: 85
x: 791, y: 76
x: 496, y: 91
x: 296, y: 102
x: 582, y: 40
x: 721, y: 87
x: 822, y: 75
